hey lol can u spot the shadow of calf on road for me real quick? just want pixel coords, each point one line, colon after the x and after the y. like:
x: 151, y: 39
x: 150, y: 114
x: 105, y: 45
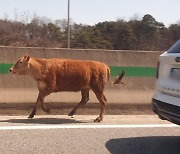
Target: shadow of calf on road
x: 43, y: 121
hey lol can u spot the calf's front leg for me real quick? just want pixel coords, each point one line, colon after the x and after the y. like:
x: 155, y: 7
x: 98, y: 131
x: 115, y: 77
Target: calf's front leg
x: 40, y: 101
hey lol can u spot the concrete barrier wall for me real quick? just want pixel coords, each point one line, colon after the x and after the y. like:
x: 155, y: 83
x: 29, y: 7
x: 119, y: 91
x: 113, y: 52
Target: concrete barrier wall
x: 137, y: 83
x: 110, y: 57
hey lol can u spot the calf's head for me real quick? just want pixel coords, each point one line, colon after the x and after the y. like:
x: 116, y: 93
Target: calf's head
x: 21, y: 66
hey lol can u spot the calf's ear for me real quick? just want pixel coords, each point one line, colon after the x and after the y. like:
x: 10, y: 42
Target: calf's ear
x: 27, y: 57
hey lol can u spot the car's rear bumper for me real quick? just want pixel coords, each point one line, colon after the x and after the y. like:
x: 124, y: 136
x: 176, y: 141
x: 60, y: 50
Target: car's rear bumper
x: 166, y: 111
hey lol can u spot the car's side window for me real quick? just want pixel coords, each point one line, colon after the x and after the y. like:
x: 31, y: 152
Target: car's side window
x: 175, y: 48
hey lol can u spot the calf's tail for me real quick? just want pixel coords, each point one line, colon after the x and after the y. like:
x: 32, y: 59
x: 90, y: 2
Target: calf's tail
x: 118, y: 80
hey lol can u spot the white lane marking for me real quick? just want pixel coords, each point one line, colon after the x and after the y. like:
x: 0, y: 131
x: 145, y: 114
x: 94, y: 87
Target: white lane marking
x: 86, y: 126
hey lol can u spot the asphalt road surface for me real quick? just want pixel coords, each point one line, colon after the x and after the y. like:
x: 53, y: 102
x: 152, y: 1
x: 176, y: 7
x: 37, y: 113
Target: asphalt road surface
x: 126, y: 134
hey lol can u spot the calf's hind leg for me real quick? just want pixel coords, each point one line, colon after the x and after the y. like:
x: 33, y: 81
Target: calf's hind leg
x: 84, y: 100
x: 102, y: 100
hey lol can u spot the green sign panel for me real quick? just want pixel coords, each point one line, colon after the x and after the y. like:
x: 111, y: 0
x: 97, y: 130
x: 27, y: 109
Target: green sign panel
x: 115, y: 70
x: 134, y: 71
x: 4, y: 68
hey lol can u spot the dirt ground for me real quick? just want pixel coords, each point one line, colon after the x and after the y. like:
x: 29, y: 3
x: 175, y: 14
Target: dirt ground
x: 65, y: 108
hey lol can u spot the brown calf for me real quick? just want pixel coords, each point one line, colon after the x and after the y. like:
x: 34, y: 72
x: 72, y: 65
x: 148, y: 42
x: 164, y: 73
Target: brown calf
x: 55, y: 75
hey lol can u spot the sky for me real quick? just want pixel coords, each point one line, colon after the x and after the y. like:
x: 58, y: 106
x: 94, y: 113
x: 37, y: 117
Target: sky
x: 91, y: 12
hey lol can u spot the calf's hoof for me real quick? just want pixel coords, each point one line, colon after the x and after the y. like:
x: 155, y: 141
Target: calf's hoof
x: 98, y: 119
x: 71, y: 113
x: 31, y: 116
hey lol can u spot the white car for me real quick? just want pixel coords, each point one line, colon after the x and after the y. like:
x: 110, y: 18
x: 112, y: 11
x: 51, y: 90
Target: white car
x: 166, y: 100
